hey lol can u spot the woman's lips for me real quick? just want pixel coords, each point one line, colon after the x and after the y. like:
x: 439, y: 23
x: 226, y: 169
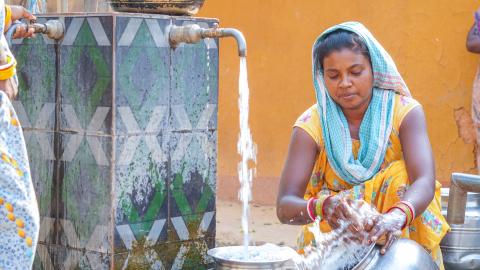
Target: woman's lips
x: 347, y: 96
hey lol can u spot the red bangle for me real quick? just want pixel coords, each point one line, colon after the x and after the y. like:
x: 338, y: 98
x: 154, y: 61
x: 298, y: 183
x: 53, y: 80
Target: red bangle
x: 410, y: 206
x: 323, y: 206
x: 309, y: 211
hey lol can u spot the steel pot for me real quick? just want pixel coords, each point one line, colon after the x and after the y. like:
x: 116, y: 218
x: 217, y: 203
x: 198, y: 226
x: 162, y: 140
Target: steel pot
x: 170, y: 7
x: 404, y: 254
x: 461, y: 246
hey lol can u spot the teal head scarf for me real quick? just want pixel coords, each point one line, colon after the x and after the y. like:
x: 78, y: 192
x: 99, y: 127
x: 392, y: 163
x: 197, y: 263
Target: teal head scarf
x: 376, y: 125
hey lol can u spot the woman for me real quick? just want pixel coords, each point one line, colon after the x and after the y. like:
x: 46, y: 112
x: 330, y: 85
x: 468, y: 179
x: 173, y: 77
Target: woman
x: 19, y: 225
x: 473, y: 46
x: 365, y: 137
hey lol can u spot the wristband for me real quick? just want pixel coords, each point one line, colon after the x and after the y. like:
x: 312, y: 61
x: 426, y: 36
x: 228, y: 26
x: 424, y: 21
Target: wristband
x: 407, y: 208
x: 309, y: 211
x: 323, y: 204
x: 8, y: 17
x: 8, y: 69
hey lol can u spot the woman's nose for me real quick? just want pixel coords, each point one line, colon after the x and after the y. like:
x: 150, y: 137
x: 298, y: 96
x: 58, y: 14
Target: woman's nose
x: 345, y: 82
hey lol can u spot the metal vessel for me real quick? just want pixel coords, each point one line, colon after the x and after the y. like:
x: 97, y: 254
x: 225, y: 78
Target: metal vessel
x: 222, y: 263
x: 404, y: 254
x: 461, y: 246
x: 171, y: 7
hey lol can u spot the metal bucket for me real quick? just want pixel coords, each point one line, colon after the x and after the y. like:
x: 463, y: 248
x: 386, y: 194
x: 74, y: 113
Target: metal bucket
x: 461, y: 246
x: 222, y: 263
x: 170, y: 7
x: 404, y: 254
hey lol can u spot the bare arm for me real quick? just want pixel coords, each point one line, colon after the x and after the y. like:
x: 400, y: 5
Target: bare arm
x: 418, y: 156
x: 291, y: 207
x: 473, y: 40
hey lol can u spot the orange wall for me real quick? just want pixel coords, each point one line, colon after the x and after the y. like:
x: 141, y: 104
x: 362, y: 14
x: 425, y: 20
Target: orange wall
x: 426, y: 39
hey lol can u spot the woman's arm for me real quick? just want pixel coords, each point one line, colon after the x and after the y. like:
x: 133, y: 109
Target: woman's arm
x: 418, y: 156
x: 291, y: 207
x: 417, y: 153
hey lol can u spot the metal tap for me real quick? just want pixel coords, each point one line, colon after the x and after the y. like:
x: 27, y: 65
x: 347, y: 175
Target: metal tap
x: 54, y: 29
x: 193, y: 33
x: 457, y: 199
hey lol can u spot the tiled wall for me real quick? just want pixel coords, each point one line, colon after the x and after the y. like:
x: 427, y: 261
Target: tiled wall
x: 122, y: 138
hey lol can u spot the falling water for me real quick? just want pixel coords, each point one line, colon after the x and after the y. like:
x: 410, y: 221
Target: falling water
x: 246, y: 149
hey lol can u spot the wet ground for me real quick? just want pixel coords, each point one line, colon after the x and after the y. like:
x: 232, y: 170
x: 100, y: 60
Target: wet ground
x: 265, y: 227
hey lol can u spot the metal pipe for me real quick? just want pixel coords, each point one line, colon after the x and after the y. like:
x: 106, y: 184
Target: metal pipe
x: 193, y: 33
x: 54, y: 29
x: 457, y: 198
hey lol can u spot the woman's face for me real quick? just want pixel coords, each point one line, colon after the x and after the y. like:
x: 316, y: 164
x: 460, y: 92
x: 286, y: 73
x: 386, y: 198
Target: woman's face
x: 349, y: 78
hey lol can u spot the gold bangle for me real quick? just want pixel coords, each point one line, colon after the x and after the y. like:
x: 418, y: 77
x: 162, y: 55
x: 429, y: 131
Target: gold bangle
x: 8, y: 70
x: 319, y: 205
x: 8, y: 17
x: 406, y: 209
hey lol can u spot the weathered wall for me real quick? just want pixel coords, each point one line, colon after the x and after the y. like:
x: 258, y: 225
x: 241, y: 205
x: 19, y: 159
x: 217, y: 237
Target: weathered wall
x: 425, y: 38
x: 121, y: 134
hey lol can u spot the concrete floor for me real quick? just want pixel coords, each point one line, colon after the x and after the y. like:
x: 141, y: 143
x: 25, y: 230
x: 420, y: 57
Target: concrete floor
x: 264, y: 226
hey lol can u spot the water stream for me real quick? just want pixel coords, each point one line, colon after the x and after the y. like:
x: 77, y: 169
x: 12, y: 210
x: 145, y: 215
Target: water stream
x: 247, y: 150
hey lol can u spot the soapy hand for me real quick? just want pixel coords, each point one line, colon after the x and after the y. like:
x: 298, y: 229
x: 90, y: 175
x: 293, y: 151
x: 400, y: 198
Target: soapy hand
x: 342, y: 210
x: 389, y: 225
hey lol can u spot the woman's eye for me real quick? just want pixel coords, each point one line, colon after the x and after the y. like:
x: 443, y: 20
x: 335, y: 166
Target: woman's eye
x: 333, y: 77
x: 356, y: 73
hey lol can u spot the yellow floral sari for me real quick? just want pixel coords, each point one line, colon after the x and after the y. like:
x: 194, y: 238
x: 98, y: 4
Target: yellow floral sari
x: 383, y: 190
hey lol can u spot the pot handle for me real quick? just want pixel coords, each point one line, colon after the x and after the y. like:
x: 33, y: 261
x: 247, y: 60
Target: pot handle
x: 471, y: 261
x: 457, y: 197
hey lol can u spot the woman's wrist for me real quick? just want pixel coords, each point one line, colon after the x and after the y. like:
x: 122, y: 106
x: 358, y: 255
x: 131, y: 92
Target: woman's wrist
x: 407, y: 209
x: 316, y: 207
x: 311, y: 208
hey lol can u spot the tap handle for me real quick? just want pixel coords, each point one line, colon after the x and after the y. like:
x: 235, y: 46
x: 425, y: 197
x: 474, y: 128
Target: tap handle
x: 189, y: 34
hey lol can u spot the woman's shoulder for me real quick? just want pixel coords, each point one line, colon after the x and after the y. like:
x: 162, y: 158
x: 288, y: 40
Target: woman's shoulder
x: 403, y: 105
x: 405, y: 101
x: 310, y: 122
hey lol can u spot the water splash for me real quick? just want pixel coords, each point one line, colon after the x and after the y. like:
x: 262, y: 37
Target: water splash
x: 335, y: 250
x: 264, y: 253
x: 247, y: 150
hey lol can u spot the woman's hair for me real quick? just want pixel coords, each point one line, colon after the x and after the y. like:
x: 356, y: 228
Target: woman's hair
x: 336, y: 41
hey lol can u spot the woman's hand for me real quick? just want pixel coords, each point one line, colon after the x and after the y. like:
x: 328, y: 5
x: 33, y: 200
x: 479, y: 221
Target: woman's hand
x: 340, y: 210
x: 389, y: 224
x: 19, y: 12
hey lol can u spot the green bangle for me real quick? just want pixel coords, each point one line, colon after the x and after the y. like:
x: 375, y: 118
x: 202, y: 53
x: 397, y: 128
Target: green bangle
x: 319, y: 205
